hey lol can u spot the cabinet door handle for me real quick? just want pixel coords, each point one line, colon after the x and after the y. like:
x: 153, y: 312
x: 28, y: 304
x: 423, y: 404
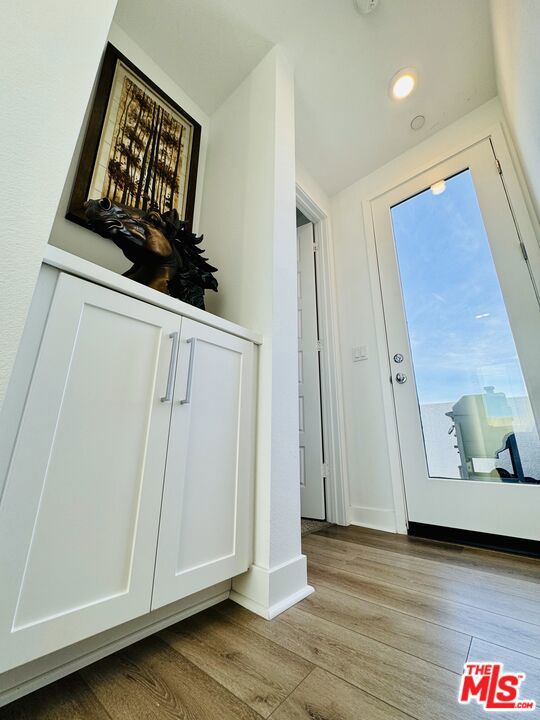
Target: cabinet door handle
x: 172, y: 367
x: 192, y: 341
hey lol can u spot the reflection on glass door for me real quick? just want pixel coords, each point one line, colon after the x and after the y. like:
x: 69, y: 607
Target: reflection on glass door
x: 477, y: 420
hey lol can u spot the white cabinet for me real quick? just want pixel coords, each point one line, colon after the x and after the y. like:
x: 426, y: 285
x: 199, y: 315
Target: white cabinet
x: 80, y: 510
x: 81, y: 505
x: 206, y: 515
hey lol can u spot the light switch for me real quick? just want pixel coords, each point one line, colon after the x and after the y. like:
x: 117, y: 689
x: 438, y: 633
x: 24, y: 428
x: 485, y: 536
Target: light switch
x: 359, y: 353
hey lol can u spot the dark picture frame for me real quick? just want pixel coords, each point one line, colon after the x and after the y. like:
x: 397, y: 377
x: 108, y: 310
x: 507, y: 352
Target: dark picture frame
x: 94, y: 149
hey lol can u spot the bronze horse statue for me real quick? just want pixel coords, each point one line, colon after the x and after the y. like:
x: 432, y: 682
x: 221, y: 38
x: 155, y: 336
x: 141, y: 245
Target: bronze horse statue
x: 165, y: 255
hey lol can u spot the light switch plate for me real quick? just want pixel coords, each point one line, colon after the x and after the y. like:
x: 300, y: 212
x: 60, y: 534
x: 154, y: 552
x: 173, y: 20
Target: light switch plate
x: 359, y: 352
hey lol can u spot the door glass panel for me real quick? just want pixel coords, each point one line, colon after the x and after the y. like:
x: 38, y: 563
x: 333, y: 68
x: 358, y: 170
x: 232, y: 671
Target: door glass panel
x: 476, y: 416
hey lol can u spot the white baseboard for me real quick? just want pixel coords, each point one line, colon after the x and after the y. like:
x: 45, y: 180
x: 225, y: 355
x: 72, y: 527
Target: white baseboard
x: 375, y: 518
x: 41, y: 672
x: 269, y: 592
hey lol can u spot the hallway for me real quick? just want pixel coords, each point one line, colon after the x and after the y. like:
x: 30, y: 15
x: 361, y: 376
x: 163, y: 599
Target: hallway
x: 384, y: 637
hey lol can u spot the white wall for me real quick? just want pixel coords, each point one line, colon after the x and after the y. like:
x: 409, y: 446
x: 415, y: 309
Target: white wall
x: 248, y: 216
x: 368, y: 465
x: 369, y: 440
x: 85, y: 243
x: 49, y: 55
x: 516, y: 27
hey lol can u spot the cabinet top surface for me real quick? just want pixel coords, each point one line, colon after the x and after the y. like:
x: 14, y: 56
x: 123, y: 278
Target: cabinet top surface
x: 75, y: 265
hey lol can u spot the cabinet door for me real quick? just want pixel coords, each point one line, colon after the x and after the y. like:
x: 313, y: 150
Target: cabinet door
x: 80, y: 510
x: 205, y: 530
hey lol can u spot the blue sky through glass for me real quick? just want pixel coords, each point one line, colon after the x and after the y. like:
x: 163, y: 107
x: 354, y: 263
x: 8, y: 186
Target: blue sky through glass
x: 459, y: 331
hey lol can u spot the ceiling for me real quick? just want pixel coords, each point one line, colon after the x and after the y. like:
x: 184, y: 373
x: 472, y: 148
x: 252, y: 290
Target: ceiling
x: 346, y: 124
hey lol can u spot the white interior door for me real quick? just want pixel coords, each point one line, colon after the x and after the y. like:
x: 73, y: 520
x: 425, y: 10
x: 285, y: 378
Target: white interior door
x: 80, y: 509
x: 309, y: 389
x: 205, y: 530
x: 463, y: 328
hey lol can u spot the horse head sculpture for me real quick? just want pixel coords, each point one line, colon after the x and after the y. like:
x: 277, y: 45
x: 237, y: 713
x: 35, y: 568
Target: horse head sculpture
x: 165, y: 255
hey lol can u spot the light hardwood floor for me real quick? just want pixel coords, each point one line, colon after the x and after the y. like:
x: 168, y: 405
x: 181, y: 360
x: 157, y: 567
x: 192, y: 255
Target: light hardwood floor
x: 384, y: 637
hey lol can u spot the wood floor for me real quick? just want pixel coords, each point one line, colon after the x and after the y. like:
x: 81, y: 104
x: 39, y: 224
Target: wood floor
x: 384, y: 637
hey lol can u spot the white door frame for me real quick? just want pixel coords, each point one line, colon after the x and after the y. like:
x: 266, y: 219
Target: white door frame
x: 526, y: 224
x: 336, y: 488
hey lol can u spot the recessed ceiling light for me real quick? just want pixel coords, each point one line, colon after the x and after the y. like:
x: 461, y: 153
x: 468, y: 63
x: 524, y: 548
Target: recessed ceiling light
x: 438, y: 188
x: 418, y: 122
x: 402, y: 84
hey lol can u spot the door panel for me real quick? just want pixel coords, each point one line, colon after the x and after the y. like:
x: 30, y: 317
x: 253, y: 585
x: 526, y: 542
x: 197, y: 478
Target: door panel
x: 80, y: 510
x: 468, y: 376
x: 309, y: 393
x: 461, y: 308
x: 205, y: 521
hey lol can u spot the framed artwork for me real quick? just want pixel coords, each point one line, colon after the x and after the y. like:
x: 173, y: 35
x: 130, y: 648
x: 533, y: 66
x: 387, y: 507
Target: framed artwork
x: 141, y: 149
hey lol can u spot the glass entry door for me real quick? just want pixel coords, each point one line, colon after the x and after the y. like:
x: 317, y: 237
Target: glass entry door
x: 463, y: 326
